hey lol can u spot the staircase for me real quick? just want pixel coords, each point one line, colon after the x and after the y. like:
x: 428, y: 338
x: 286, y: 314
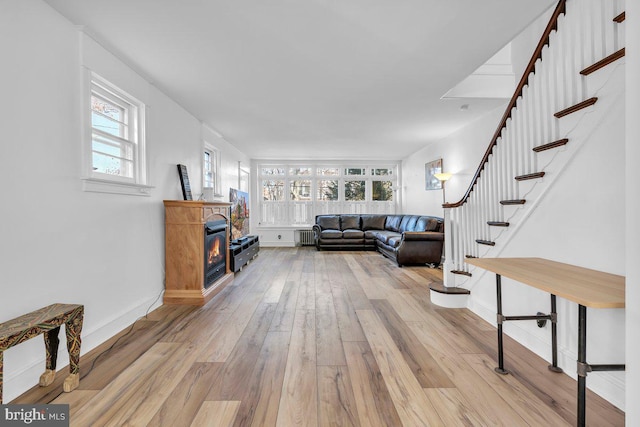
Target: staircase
x: 547, y: 115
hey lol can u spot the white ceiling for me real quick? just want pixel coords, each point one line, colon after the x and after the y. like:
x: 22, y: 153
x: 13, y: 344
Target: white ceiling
x: 312, y: 78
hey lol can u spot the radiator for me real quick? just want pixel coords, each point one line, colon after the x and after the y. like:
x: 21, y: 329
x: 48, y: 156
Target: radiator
x: 305, y: 237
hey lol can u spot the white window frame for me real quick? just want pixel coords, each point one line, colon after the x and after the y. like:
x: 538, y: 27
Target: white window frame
x: 288, y: 212
x: 95, y: 181
x: 243, y: 178
x: 216, y: 188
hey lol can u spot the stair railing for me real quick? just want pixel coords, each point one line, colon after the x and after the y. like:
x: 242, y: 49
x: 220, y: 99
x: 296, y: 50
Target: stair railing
x: 579, y: 33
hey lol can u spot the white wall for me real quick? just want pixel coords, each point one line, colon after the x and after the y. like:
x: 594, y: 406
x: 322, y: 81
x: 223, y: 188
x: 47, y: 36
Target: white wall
x: 460, y: 153
x: 632, y: 199
x: 60, y: 244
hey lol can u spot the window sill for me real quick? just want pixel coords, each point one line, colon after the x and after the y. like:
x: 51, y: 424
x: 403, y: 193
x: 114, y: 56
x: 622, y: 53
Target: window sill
x: 112, y: 187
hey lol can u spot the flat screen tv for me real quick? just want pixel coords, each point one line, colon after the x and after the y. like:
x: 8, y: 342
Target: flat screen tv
x: 239, y: 213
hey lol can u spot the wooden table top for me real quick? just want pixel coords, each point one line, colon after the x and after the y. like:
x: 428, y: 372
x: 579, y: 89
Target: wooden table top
x: 590, y: 288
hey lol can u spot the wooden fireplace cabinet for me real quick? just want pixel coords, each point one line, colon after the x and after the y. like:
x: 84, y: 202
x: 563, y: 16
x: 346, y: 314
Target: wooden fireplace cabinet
x: 184, y: 251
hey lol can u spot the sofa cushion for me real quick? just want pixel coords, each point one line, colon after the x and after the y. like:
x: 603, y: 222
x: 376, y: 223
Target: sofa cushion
x: 432, y: 225
x: 353, y: 234
x: 393, y: 222
x: 385, y: 235
x: 328, y: 222
x: 394, y: 241
x: 408, y: 222
x: 373, y: 222
x: 331, y: 234
x: 421, y: 224
x: 350, y: 222
x: 370, y: 234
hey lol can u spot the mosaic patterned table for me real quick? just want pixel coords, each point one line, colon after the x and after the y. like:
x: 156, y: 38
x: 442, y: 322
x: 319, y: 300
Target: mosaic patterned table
x: 47, y: 321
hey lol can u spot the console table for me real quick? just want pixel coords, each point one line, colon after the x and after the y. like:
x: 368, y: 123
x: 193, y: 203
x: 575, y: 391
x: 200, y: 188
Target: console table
x: 47, y: 321
x: 587, y: 288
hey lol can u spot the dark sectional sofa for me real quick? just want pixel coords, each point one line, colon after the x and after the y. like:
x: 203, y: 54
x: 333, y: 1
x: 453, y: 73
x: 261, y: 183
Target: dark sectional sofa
x: 406, y: 239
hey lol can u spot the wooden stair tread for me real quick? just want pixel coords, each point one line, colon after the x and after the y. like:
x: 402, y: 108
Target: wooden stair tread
x: 485, y: 242
x: 550, y: 145
x: 449, y: 290
x: 579, y: 106
x: 498, y: 223
x: 461, y: 272
x: 619, y: 18
x: 529, y: 176
x: 603, y: 62
x: 513, y: 202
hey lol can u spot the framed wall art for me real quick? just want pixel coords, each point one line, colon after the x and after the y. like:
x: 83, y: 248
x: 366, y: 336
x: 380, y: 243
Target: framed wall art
x: 430, y: 170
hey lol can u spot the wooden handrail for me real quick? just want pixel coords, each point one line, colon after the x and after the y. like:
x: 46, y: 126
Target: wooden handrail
x: 537, y: 54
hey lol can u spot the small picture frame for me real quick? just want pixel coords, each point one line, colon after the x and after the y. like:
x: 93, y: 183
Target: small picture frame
x: 184, y: 182
x: 430, y: 170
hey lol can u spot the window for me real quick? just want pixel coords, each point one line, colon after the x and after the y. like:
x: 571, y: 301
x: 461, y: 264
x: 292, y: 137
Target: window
x: 273, y: 190
x: 243, y: 179
x: 354, y: 190
x: 328, y: 189
x: 115, y: 148
x: 292, y: 194
x: 382, y: 191
x: 301, y: 190
x: 211, y: 171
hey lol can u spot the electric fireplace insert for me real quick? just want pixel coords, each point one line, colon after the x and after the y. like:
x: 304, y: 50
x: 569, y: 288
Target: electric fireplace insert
x: 215, y: 251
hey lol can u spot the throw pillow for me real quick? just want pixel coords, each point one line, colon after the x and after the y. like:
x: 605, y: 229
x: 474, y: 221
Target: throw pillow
x: 373, y: 222
x: 350, y: 222
x: 328, y: 222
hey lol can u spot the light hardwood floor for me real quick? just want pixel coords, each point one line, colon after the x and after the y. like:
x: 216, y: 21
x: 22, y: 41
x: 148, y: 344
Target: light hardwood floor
x: 318, y: 338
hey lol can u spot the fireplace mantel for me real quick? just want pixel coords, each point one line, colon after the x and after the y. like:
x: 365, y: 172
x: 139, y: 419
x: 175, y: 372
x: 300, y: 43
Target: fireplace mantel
x: 184, y: 250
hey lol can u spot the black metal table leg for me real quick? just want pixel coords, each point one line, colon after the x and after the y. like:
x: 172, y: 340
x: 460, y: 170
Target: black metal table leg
x: 500, y: 369
x: 582, y: 360
x: 554, y: 337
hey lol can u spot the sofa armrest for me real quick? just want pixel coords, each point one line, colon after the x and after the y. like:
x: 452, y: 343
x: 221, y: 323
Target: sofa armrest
x: 316, y: 231
x: 422, y: 235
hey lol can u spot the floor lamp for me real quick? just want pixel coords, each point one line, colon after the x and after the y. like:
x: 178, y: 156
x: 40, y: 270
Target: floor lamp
x: 443, y: 177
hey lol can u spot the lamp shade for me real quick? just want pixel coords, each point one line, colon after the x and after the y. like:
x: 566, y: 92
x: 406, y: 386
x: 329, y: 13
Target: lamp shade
x: 443, y: 176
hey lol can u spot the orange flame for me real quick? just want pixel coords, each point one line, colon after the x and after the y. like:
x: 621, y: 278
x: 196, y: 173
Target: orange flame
x: 214, y: 250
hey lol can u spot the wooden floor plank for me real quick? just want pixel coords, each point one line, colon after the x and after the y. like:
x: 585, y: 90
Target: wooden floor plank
x: 328, y: 340
x: 529, y: 407
x: 283, y: 318
x: 228, y: 334
x: 150, y: 379
x: 261, y: 398
x: 412, y: 404
x: 424, y: 368
x: 237, y: 370
x: 216, y: 414
x: 185, y: 401
x: 485, y: 401
x: 454, y: 408
x: 374, y: 404
x: 336, y: 402
x: 299, y: 402
x: 348, y: 323
x: 75, y: 399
